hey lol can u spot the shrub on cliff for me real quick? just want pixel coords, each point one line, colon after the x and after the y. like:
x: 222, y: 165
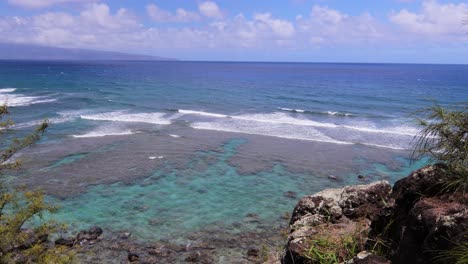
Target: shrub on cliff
x: 444, y: 138
x: 19, y: 207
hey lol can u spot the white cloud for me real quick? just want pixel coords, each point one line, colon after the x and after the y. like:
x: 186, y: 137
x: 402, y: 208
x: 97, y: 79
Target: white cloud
x: 332, y: 27
x: 262, y: 31
x: 42, y: 3
x: 99, y: 27
x: 160, y: 15
x: 281, y: 28
x: 100, y: 15
x: 210, y: 9
x: 434, y: 19
x: 94, y: 27
x: 325, y: 15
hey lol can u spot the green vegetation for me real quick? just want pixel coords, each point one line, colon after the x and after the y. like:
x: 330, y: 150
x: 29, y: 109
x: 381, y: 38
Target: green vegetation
x: 460, y: 253
x: 444, y: 138
x: 456, y: 255
x: 19, y: 208
x: 328, y: 248
x: 379, y: 243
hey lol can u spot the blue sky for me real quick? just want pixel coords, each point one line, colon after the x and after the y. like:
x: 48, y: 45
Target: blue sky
x: 409, y: 31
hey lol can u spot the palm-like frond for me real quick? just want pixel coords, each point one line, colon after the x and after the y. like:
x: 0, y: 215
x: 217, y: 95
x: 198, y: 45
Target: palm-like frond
x: 444, y: 138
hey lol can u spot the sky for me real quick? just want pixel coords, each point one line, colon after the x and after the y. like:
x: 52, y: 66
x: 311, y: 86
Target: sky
x: 396, y: 31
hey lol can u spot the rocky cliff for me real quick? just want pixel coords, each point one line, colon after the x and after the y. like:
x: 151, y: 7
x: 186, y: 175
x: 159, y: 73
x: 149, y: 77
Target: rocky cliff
x: 413, y: 222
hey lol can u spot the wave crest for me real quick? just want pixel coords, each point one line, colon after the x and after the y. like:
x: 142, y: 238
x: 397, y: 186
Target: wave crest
x: 122, y: 116
x: 13, y: 100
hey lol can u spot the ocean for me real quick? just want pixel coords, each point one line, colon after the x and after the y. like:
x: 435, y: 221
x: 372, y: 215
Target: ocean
x: 182, y: 151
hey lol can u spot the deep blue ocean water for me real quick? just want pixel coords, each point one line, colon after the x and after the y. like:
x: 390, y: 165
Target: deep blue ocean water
x: 348, y: 103
x: 167, y: 148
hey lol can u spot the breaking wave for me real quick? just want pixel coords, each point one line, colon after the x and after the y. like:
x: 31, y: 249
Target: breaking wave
x: 123, y: 116
x: 283, y: 125
x: 8, y: 97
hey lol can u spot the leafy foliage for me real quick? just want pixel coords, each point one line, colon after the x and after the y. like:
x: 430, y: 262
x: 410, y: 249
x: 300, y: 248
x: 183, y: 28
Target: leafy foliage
x: 19, y: 207
x: 444, y: 137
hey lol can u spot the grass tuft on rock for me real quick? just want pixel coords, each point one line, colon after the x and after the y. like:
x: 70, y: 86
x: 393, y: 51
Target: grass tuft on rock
x: 456, y: 255
x: 335, y: 246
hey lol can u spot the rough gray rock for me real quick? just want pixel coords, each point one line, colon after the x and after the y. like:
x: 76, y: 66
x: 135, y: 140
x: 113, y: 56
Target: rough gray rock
x: 415, y: 218
x: 425, y: 220
x: 336, y: 212
x: 89, y: 235
x: 365, y: 257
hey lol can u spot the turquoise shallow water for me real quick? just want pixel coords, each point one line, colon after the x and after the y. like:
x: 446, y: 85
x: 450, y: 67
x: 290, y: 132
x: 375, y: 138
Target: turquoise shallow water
x: 170, y: 205
x: 209, y: 192
x: 66, y: 160
x: 165, y: 149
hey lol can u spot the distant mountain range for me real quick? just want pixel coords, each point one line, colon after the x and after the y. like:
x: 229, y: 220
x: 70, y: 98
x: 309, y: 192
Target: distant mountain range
x: 10, y: 51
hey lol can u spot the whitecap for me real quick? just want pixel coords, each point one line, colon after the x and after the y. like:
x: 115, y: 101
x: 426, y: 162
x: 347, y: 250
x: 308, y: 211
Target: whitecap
x: 283, y: 125
x: 7, y: 90
x: 191, y: 112
x: 334, y: 113
x: 104, y: 132
x: 100, y: 134
x: 291, y: 110
x: 158, y: 157
x: 65, y: 116
x: 55, y: 120
x: 122, y: 116
x: 9, y: 98
x: 282, y: 118
x: 280, y: 130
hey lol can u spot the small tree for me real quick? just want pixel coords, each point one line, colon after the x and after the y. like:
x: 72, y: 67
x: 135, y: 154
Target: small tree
x: 18, y: 207
x: 444, y: 138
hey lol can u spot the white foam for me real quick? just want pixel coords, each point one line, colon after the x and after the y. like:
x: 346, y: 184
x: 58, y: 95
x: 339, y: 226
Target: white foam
x: 65, y: 116
x: 291, y: 110
x: 7, y: 90
x: 56, y: 120
x: 398, y: 129
x: 75, y: 113
x: 283, y: 118
x: 153, y: 157
x: 42, y: 101
x: 385, y: 146
x: 276, y: 124
x: 102, y: 134
x: 283, y: 125
x: 122, y: 116
x: 292, y: 132
x: 13, y: 100
x: 106, y: 131
x: 265, y: 129
x: 191, y: 112
x: 337, y: 113
x: 7, y: 97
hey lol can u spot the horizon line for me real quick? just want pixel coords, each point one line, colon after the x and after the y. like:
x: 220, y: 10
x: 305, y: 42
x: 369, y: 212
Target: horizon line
x: 225, y: 61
